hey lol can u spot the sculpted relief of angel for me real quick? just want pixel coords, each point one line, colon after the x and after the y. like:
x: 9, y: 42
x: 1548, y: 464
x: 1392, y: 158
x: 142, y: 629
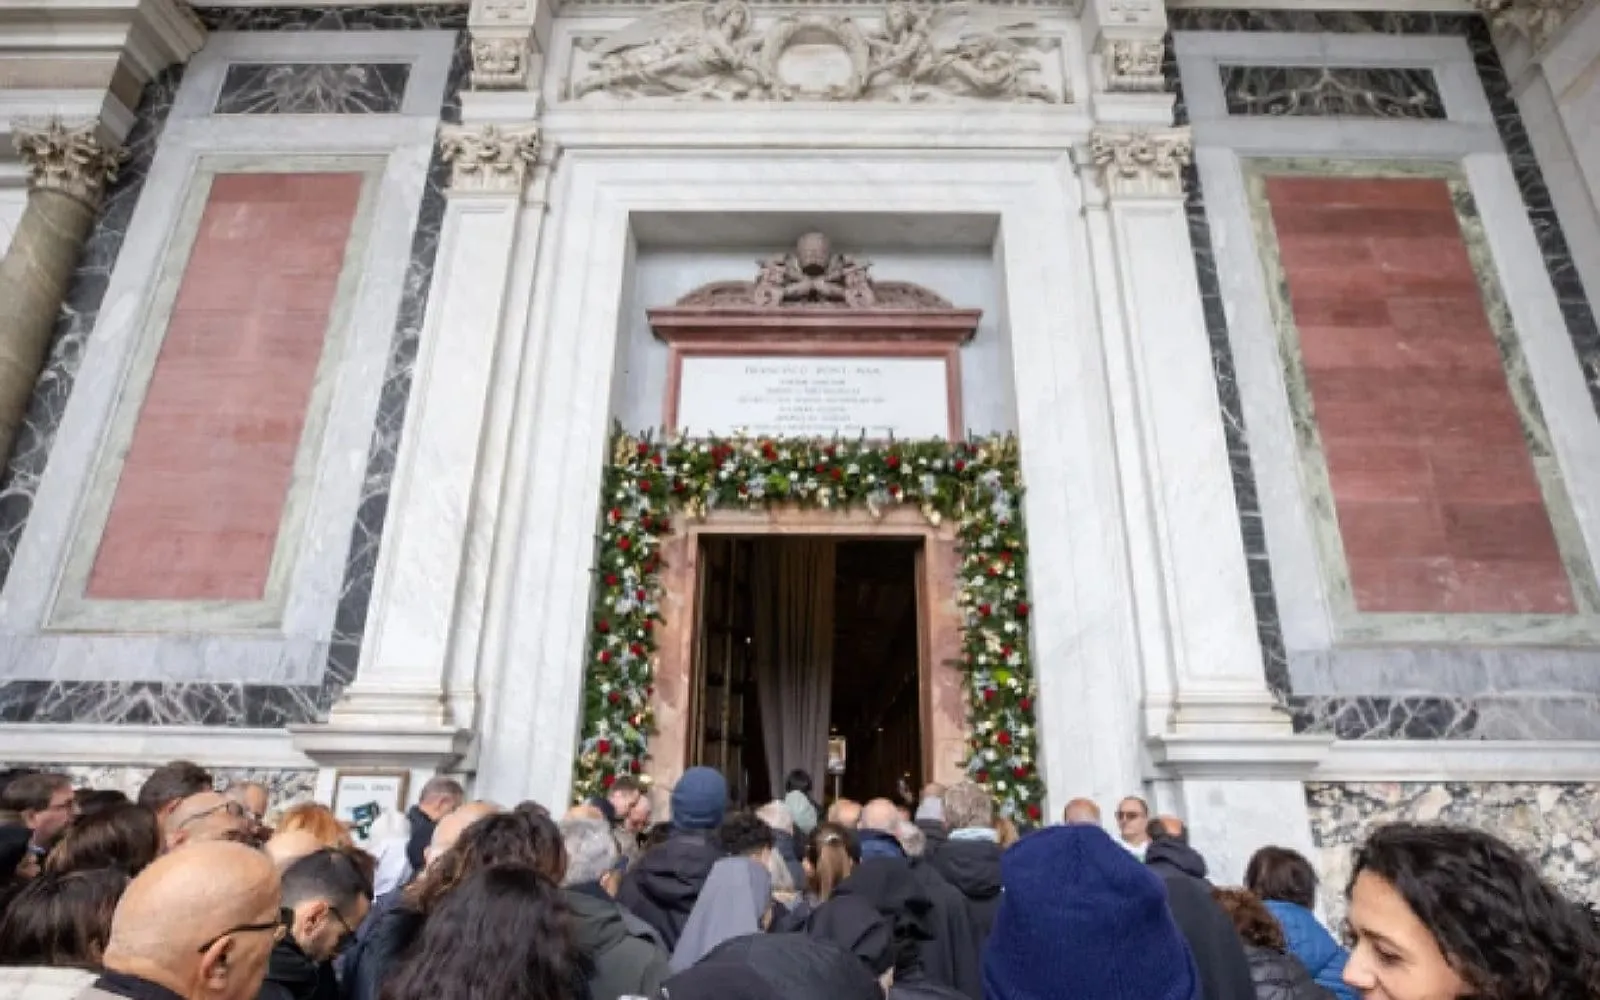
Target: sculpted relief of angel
x: 960, y: 47
x: 699, y: 49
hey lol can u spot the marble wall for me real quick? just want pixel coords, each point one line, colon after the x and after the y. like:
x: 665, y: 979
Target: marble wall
x: 1553, y: 824
x: 1447, y: 690
x: 284, y: 787
x: 237, y: 703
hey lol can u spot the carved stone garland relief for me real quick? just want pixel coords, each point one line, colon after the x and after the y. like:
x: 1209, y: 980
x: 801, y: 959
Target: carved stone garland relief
x: 713, y: 51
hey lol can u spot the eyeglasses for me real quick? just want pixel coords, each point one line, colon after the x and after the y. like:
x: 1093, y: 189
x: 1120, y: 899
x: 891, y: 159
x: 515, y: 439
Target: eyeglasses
x: 1129, y: 815
x: 346, y: 939
x: 278, y: 927
x: 233, y: 809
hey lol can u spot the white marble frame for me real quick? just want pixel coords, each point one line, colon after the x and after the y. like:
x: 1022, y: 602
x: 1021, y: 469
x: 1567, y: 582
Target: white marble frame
x: 1311, y: 626
x: 538, y: 607
x: 136, y: 645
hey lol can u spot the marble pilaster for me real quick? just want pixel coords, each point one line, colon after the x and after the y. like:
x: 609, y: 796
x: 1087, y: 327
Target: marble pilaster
x: 435, y: 529
x: 68, y: 170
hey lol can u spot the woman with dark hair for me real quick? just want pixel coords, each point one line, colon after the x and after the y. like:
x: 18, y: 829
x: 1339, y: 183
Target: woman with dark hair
x: 55, y: 932
x: 502, y: 933
x: 1277, y: 975
x: 1440, y: 913
x: 1285, y: 881
x: 125, y: 837
x: 522, y: 837
x: 93, y: 800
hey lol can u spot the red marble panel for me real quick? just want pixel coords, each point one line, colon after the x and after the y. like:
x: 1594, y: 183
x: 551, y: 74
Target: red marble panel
x: 201, y: 495
x: 1438, y: 506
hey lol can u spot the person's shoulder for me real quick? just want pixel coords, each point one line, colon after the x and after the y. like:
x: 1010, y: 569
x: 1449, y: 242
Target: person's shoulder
x: 27, y: 982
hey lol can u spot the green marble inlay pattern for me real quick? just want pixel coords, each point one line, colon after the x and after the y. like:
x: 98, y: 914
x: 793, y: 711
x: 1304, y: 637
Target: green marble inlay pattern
x: 1352, y: 624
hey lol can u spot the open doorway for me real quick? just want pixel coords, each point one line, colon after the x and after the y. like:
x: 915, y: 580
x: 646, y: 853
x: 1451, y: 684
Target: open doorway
x: 872, y: 670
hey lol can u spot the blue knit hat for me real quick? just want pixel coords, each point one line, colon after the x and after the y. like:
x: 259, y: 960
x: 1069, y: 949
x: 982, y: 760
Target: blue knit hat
x: 700, y: 799
x: 1081, y: 917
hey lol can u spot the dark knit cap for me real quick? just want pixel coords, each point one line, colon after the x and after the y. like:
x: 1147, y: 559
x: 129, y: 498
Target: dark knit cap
x: 700, y: 799
x: 1081, y: 916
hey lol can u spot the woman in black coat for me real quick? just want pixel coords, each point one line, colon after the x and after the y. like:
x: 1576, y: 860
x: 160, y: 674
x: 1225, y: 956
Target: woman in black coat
x: 1276, y: 973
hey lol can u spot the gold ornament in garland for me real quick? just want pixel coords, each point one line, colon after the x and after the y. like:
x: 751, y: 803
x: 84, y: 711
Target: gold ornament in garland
x: 977, y: 485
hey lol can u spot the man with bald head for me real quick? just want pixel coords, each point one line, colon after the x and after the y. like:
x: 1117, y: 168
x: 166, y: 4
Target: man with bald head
x: 846, y: 813
x: 206, y: 816
x: 450, y: 828
x: 197, y: 924
x: 1081, y: 812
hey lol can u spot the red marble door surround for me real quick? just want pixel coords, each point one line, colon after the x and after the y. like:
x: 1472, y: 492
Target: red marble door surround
x: 942, y: 700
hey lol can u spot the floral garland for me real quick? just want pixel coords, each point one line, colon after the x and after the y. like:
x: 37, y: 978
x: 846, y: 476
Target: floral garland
x: 977, y: 484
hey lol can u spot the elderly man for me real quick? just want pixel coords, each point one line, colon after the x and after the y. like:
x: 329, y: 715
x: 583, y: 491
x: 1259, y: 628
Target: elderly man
x: 170, y: 784
x: 628, y: 959
x: 1133, y: 818
x: 970, y: 859
x: 1081, y: 812
x: 197, y: 925
x: 846, y: 813
x: 205, y: 817
x: 46, y: 804
x: 329, y: 897
x: 440, y: 797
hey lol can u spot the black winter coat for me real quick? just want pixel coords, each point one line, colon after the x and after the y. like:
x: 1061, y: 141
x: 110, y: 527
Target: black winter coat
x: 973, y: 867
x: 421, y: 837
x: 662, y: 887
x: 1280, y: 976
x: 292, y: 975
x: 775, y: 967
x: 377, y: 954
x: 1168, y: 856
x: 1218, y: 953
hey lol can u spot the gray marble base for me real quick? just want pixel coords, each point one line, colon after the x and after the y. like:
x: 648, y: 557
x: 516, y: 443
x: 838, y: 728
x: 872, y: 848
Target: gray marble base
x: 1554, y: 825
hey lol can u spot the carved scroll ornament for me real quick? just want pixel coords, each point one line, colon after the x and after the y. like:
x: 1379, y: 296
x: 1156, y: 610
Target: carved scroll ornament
x: 812, y: 276
x: 711, y: 50
x: 1536, y: 20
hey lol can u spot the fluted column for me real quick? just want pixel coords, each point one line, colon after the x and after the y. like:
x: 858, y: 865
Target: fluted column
x: 68, y: 170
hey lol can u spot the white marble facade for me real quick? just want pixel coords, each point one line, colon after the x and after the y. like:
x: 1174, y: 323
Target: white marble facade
x: 435, y: 612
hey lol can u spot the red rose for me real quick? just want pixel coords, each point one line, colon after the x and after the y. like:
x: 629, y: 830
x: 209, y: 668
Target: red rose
x: 644, y: 486
x: 614, y: 697
x: 644, y: 522
x: 829, y: 451
x: 648, y: 625
x: 644, y: 449
x: 1003, y: 738
x: 893, y: 461
x: 608, y: 780
x: 604, y: 746
x: 1005, y: 556
x: 639, y: 594
x: 624, y: 544
x: 1005, y: 650
x: 636, y: 649
x: 894, y: 491
x: 655, y: 460
x: 677, y: 487
x: 602, y: 626
x: 633, y: 765
x: 961, y: 466
x: 819, y: 467
x: 837, y: 475
x: 1021, y: 770
x: 605, y: 656
x: 988, y: 694
x: 1022, y: 609
x: 1026, y: 704
x: 983, y: 609
x: 994, y: 570
x: 1033, y: 811
x: 983, y: 777
x: 611, y: 579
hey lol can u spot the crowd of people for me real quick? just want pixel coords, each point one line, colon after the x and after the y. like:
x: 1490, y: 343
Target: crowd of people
x: 191, y: 892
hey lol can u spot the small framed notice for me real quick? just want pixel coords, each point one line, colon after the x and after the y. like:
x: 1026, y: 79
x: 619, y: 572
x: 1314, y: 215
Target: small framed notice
x: 836, y: 754
x: 359, y: 798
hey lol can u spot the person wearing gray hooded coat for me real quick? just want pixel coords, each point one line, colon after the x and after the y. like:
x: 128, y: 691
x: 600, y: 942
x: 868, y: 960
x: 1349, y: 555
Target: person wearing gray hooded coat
x: 736, y: 901
x: 624, y: 953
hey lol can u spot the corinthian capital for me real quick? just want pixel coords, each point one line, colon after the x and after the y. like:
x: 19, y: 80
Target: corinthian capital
x: 1535, y: 20
x: 492, y: 158
x: 64, y: 158
x: 1142, y: 163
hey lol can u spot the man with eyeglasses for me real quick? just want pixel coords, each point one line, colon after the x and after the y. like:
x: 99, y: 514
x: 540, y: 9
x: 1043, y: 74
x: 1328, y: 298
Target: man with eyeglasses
x: 1133, y: 816
x: 206, y: 816
x: 46, y: 804
x: 195, y: 925
x: 328, y: 897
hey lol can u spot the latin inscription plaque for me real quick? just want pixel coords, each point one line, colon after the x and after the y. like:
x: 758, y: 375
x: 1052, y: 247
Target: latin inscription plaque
x: 906, y: 398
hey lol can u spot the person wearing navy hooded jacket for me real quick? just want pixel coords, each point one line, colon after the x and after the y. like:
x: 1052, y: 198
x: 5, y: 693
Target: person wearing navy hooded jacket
x: 1287, y: 883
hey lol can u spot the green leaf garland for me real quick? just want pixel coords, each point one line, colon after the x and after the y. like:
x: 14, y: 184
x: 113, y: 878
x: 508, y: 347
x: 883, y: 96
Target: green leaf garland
x: 977, y: 485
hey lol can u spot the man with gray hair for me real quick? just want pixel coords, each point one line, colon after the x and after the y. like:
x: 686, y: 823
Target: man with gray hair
x: 440, y: 797
x: 628, y: 959
x: 970, y: 859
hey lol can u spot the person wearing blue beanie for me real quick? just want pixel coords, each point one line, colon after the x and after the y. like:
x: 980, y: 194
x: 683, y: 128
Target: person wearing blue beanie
x: 663, y: 885
x: 1081, y: 917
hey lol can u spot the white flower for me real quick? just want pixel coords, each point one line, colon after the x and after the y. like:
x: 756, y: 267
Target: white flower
x: 853, y: 469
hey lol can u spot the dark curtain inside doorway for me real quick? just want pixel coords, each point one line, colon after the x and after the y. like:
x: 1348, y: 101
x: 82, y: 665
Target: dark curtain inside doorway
x: 793, y: 588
